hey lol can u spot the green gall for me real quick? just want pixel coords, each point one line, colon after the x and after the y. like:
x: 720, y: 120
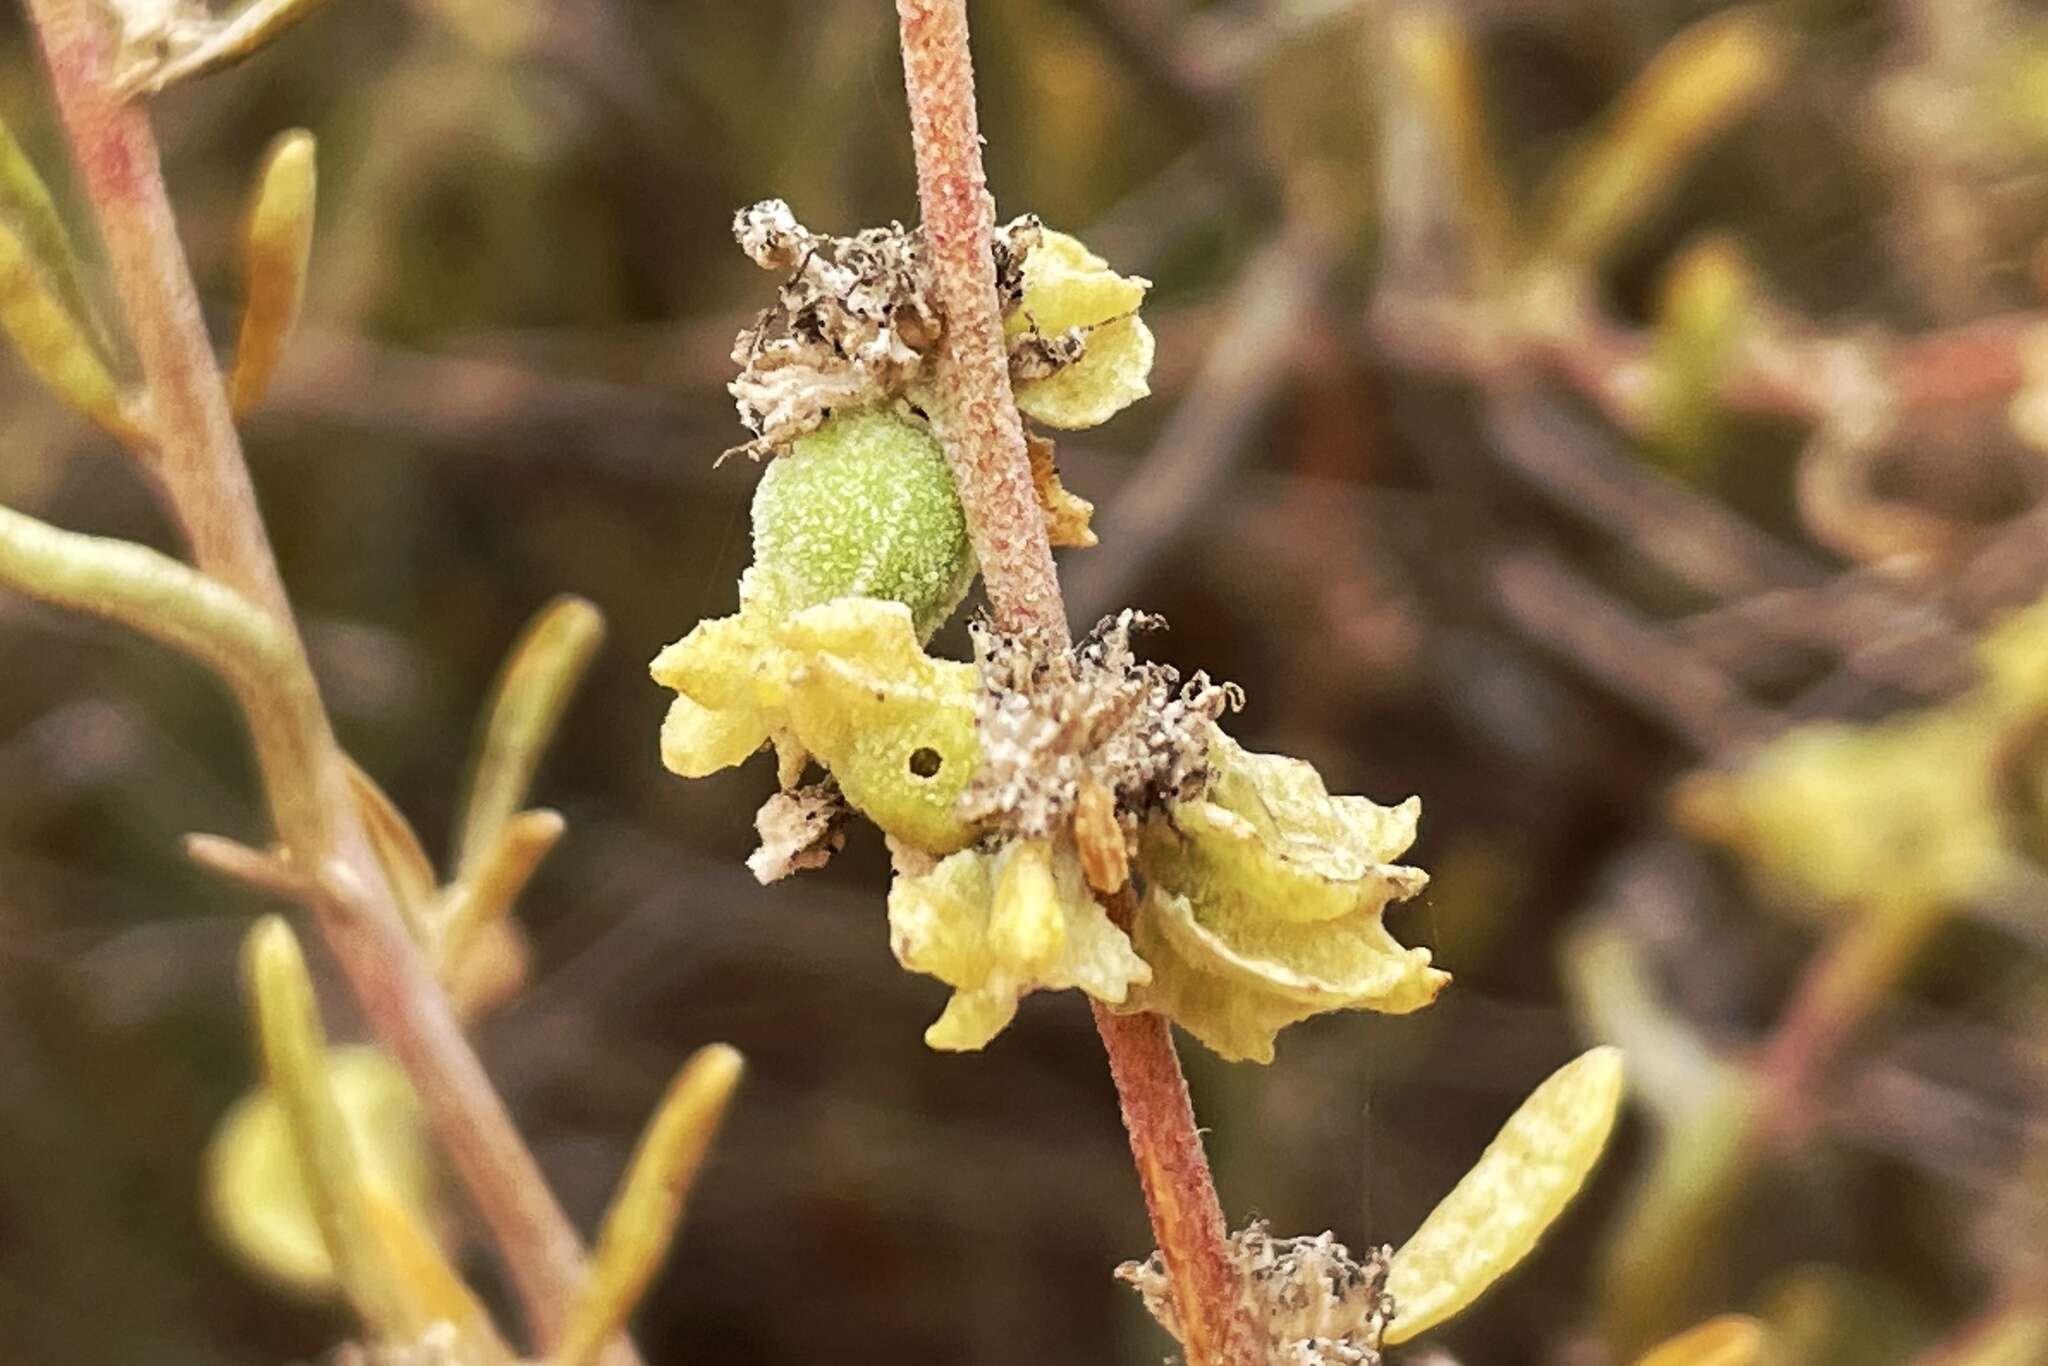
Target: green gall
x: 1264, y: 905
x: 997, y: 925
x: 863, y: 507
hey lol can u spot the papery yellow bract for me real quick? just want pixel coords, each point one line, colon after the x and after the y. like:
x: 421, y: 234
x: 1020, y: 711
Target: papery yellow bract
x: 846, y: 683
x: 256, y: 1193
x: 1265, y: 901
x: 995, y: 926
x: 1067, y: 286
x: 1494, y: 1216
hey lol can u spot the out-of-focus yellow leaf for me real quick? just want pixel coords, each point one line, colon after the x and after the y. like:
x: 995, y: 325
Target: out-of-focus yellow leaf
x: 1521, y: 1183
x: 51, y: 340
x: 532, y: 691
x: 1704, y: 80
x: 649, y: 1205
x: 1731, y: 1340
x: 277, y: 246
x: 996, y: 926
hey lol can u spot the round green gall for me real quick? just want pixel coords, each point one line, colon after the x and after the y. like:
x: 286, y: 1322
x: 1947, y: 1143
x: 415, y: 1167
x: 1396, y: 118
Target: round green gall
x: 862, y: 507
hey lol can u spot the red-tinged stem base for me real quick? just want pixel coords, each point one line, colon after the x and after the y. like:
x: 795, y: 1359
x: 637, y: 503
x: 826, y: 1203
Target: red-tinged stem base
x: 1187, y: 1218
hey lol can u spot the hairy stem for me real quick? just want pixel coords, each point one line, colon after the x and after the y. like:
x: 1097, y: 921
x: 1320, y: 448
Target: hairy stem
x: 977, y: 421
x: 196, y: 457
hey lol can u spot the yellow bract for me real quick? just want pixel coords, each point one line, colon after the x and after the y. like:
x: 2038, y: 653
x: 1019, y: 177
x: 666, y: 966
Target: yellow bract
x: 1265, y: 901
x: 844, y: 682
x: 1067, y: 286
x: 995, y: 926
x: 1521, y: 1183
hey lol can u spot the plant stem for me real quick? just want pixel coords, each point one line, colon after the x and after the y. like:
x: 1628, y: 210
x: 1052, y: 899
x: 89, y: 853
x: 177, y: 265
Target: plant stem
x: 977, y: 420
x: 196, y: 458
x: 978, y: 423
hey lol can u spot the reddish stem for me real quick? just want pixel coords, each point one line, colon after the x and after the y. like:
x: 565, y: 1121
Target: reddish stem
x: 977, y: 420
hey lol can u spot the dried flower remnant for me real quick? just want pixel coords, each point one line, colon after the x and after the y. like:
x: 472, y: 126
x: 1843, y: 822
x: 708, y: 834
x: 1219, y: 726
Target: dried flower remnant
x: 1095, y: 713
x: 1068, y: 516
x: 854, y: 325
x: 799, y: 829
x: 849, y: 328
x: 1314, y: 1303
x: 1265, y: 904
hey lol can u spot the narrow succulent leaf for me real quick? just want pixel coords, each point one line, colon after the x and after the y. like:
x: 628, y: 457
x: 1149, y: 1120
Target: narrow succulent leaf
x: 432, y: 1290
x: 1438, y: 72
x: 26, y: 204
x: 145, y: 590
x: 644, y: 1215
x: 398, y: 848
x: 1731, y: 1340
x: 1521, y: 1183
x: 533, y: 690
x: 287, y: 1026
x: 277, y: 246
x: 479, y: 903
x: 52, y: 340
x: 1702, y: 82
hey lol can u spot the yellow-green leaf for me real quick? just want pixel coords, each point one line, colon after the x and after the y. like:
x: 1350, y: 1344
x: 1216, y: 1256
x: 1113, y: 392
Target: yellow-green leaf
x: 277, y: 245
x: 52, y: 340
x: 648, y: 1208
x: 1731, y: 1340
x: 1521, y: 1183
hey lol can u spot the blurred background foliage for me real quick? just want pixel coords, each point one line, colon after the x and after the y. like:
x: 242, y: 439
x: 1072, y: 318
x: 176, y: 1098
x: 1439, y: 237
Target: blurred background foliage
x: 1618, y: 421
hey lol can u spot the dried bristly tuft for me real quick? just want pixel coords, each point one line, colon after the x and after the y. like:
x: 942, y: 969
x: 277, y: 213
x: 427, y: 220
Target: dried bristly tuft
x: 850, y: 327
x: 1314, y: 1303
x: 1040, y: 355
x: 855, y: 321
x: 1094, y: 714
x: 1014, y: 241
x: 800, y: 828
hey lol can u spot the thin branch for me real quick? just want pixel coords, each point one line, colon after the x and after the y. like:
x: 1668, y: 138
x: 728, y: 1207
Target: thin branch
x: 196, y: 457
x: 977, y: 417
